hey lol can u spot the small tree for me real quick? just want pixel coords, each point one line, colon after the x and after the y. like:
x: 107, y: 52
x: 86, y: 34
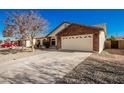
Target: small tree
x: 25, y: 25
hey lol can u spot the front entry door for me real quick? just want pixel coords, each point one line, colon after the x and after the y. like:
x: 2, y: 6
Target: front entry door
x: 53, y: 42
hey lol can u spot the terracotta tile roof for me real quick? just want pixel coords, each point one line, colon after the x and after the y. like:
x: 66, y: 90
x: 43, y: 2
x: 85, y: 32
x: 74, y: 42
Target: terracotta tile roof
x: 58, y: 27
x: 75, y: 29
x: 92, y: 27
x: 95, y: 27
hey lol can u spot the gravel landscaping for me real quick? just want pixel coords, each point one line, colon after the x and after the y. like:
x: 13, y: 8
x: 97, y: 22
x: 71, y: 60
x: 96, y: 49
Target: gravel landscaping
x: 104, y: 68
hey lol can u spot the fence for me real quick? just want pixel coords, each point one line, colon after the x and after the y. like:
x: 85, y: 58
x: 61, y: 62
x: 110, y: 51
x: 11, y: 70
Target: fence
x: 109, y: 44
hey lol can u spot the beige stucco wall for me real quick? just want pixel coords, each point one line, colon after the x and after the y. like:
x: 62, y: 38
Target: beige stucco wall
x: 63, y: 26
x: 101, y: 41
x: 83, y: 44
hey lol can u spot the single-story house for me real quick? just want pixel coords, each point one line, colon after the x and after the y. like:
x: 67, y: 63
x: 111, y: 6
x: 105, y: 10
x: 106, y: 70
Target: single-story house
x: 72, y: 36
x: 117, y: 43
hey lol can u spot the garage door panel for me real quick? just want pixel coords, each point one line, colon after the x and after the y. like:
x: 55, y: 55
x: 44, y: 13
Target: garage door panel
x: 82, y: 42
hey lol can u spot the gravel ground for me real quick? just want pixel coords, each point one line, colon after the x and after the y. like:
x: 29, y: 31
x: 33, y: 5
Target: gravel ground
x: 104, y: 68
x: 46, y: 67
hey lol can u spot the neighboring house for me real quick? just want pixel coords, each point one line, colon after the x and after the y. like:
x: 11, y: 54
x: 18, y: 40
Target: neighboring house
x: 117, y: 43
x: 71, y: 36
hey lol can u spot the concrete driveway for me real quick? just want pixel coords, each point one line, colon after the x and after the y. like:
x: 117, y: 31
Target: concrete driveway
x: 42, y: 68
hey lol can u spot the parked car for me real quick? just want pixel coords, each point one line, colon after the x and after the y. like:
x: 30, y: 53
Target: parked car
x: 7, y: 45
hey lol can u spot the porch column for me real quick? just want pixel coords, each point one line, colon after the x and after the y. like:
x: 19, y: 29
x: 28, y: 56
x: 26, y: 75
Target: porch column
x: 49, y: 40
x: 58, y: 42
x: 96, y: 41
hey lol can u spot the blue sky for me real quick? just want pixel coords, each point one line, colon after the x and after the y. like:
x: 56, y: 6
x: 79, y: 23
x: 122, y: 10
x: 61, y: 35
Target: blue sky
x: 114, y: 19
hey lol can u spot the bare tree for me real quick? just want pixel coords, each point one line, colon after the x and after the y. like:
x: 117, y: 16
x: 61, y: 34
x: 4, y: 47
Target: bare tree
x: 25, y: 25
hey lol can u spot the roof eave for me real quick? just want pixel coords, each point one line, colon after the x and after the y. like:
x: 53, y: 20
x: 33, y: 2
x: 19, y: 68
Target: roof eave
x: 57, y: 28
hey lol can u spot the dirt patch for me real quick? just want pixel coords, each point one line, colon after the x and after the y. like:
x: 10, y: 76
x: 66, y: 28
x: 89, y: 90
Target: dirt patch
x: 115, y: 51
x: 7, y: 54
x: 104, y: 68
x: 114, y: 55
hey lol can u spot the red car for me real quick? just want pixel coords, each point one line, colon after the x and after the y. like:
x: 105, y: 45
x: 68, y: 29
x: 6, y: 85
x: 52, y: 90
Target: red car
x: 7, y: 45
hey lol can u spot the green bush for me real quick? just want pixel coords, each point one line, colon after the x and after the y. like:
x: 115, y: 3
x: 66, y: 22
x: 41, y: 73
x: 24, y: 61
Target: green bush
x: 46, y: 43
